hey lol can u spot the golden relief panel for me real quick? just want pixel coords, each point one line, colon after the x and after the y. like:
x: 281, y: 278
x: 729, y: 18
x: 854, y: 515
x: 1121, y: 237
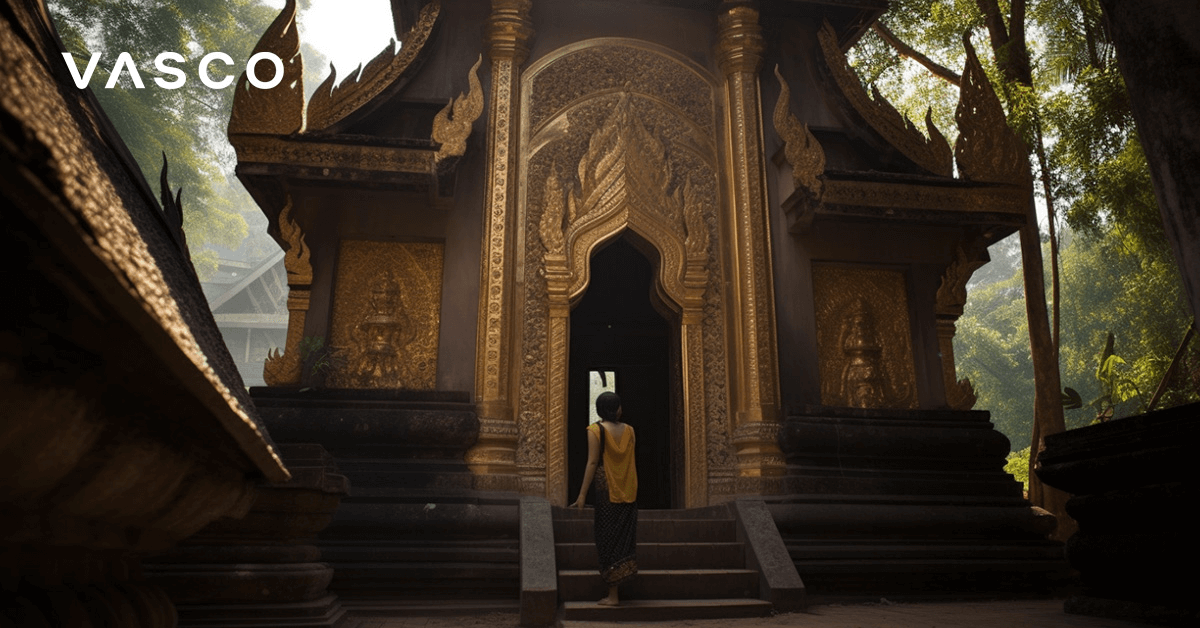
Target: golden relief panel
x: 386, y: 315
x: 864, y: 341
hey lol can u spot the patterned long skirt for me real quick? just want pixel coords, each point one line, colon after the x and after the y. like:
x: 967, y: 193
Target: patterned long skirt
x: 616, y: 534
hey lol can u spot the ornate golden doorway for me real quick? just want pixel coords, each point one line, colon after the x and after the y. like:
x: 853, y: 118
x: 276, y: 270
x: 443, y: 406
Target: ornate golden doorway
x: 621, y: 340
x: 627, y: 153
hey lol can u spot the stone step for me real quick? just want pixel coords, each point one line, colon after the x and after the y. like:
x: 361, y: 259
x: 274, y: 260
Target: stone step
x: 416, y: 553
x: 464, y: 579
x: 654, y: 531
x: 811, y: 568
x: 659, y: 555
x: 662, y: 584
x: 392, y: 607
x: 663, y: 610
x: 706, y: 513
x: 805, y: 550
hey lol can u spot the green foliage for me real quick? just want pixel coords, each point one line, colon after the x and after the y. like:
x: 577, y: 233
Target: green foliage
x: 1018, y: 466
x: 1117, y: 272
x: 188, y: 124
x: 1108, y: 284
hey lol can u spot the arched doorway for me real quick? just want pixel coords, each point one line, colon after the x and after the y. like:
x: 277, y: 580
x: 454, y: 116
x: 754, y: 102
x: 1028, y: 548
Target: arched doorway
x: 621, y: 336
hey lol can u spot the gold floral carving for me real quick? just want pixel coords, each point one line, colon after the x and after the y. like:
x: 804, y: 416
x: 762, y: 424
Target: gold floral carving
x: 332, y: 104
x: 285, y: 369
x: 932, y: 153
x: 386, y: 315
x: 801, y: 148
x: 986, y: 149
x: 864, y: 340
x: 451, y: 131
x: 279, y: 110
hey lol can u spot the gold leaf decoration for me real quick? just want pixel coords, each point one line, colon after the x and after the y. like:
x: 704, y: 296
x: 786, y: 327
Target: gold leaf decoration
x: 332, y: 104
x: 987, y: 149
x: 800, y: 146
x: 550, y: 227
x: 932, y: 153
x: 295, y: 260
x: 387, y: 315
x: 693, y: 217
x: 451, y: 131
x: 952, y: 292
x: 623, y: 159
x: 864, y: 342
x: 279, y: 110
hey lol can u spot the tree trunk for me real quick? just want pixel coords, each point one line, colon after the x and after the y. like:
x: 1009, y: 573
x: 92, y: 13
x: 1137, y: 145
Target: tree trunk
x: 1159, y: 56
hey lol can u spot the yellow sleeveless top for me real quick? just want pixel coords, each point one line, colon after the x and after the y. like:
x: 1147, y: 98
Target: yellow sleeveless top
x: 619, y: 467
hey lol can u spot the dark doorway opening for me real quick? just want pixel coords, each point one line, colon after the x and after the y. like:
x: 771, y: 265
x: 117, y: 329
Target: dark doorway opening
x: 617, y: 331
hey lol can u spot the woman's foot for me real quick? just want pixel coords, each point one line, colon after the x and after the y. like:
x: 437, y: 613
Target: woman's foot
x: 611, y: 599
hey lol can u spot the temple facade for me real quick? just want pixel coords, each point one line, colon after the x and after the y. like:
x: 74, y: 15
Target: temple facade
x: 698, y: 197
x: 695, y: 203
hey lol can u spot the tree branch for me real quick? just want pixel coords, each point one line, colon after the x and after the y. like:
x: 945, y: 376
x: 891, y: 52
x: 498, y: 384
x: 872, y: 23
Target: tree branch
x: 906, y: 50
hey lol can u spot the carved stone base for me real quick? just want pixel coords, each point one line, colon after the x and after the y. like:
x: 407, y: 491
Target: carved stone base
x: 262, y: 569
x: 909, y: 503
x: 1133, y: 486
x: 419, y: 524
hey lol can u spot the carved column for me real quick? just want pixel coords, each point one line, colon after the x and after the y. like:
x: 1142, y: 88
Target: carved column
x: 287, y: 369
x: 951, y: 297
x: 493, y: 458
x: 755, y: 388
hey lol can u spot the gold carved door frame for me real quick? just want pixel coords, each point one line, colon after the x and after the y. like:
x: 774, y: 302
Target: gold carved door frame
x: 614, y: 158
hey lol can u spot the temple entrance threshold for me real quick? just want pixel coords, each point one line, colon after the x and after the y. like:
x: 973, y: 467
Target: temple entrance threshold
x: 620, y: 340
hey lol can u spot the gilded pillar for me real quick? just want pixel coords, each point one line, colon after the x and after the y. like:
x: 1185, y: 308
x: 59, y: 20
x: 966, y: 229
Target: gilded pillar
x: 493, y: 458
x: 951, y: 297
x: 755, y: 388
x: 286, y: 369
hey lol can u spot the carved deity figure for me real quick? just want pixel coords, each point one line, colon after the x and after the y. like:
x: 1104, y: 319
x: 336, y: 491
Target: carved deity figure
x: 381, y: 336
x: 863, y: 376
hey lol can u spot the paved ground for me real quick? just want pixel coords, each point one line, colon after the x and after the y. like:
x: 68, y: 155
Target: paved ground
x: 1005, y: 614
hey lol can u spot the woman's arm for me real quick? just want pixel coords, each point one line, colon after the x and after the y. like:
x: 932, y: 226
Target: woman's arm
x: 590, y: 472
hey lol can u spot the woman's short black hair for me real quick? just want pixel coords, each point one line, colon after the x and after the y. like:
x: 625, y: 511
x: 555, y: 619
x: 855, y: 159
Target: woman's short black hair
x: 607, y: 405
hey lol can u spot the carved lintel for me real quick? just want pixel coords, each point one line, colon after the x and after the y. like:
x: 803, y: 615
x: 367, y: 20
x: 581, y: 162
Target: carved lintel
x: 986, y: 149
x: 801, y: 148
x: 932, y: 153
x: 279, y: 110
x: 451, y: 131
x: 331, y: 105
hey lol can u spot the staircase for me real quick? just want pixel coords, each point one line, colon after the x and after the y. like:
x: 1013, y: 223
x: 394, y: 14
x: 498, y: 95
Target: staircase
x: 691, y: 565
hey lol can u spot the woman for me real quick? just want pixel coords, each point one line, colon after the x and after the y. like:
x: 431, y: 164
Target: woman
x: 611, y: 453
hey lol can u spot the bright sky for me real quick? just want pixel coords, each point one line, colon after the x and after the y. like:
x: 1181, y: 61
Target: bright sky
x: 347, y: 32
